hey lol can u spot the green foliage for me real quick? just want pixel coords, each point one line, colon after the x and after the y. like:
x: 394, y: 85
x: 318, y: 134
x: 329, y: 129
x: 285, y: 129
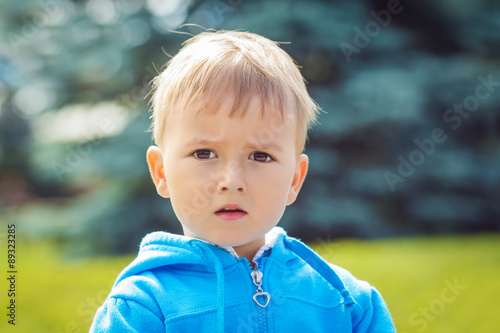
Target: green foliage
x: 84, y: 179
x: 59, y: 294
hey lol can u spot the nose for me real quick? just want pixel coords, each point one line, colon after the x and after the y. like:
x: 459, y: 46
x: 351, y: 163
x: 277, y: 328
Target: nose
x: 231, y: 178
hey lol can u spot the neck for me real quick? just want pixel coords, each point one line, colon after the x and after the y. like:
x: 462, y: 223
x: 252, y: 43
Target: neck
x: 250, y: 249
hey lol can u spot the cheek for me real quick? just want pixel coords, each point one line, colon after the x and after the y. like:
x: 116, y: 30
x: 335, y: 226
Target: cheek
x: 191, y: 186
x: 274, y: 186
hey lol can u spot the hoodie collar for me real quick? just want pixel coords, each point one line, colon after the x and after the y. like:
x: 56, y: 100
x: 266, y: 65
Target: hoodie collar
x: 162, y: 248
x: 270, y: 240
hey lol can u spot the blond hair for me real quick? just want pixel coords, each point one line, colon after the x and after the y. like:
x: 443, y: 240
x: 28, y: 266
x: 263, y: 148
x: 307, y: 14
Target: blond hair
x: 213, y: 65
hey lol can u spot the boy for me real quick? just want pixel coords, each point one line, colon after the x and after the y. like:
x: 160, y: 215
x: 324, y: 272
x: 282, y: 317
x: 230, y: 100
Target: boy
x: 230, y: 120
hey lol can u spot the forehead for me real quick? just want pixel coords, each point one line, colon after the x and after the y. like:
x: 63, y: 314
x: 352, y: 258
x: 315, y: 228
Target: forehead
x: 237, y: 103
x: 251, y: 108
x: 258, y: 123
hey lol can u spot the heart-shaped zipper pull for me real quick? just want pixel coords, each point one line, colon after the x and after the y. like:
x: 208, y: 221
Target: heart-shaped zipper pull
x: 262, y: 293
x: 257, y: 280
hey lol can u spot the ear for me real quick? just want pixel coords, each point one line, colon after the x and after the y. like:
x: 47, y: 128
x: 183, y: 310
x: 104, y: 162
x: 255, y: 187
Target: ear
x: 154, y: 158
x: 298, y: 178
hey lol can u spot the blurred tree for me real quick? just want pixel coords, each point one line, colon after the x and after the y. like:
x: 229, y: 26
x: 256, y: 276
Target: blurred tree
x: 409, y: 142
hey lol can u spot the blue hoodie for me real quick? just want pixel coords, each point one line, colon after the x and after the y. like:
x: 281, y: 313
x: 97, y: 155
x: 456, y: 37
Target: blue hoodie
x: 180, y: 284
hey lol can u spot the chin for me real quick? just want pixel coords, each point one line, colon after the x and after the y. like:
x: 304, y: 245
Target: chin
x: 231, y: 239
x: 229, y: 242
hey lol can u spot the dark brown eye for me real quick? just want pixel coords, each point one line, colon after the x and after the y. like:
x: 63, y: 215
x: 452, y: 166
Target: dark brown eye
x: 203, y: 154
x: 260, y: 157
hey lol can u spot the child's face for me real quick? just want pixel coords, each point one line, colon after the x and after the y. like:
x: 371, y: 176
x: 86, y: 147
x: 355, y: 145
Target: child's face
x: 229, y: 179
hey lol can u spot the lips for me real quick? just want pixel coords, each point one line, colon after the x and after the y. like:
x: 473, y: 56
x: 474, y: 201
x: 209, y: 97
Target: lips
x: 230, y: 212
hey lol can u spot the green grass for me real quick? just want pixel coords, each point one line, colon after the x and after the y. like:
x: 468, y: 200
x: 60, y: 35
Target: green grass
x: 414, y: 275
x: 57, y: 294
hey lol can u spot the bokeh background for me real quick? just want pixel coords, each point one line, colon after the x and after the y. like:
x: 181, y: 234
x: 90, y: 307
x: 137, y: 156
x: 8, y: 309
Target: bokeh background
x: 406, y: 158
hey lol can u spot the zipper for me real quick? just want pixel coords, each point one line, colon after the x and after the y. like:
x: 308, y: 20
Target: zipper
x: 260, y: 297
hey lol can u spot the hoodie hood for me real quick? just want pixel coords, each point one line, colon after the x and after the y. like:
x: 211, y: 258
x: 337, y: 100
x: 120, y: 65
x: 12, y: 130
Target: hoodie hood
x: 160, y: 249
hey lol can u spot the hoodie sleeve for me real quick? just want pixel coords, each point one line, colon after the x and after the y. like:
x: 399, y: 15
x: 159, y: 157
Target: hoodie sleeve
x: 131, y: 307
x: 119, y: 315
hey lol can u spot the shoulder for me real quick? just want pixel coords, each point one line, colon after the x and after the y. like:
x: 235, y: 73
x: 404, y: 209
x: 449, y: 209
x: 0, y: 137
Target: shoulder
x: 368, y: 310
x: 141, y: 289
x: 361, y: 291
x: 354, y: 290
x: 372, y: 314
x: 357, y: 288
x: 132, y: 286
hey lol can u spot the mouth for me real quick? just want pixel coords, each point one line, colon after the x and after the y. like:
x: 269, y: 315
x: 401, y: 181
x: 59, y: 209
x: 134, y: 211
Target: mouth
x: 230, y: 212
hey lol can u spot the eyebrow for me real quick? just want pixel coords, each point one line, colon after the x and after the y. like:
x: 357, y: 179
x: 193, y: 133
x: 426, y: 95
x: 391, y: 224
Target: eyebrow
x: 250, y: 144
x: 203, y: 142
x: 264, y: 145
